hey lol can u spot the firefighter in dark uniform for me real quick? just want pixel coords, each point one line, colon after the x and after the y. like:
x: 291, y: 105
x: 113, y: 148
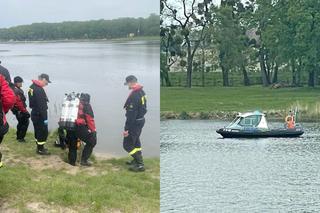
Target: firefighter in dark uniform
x: 85, y: 131
x: 20, y: 110
x: 38, y: 102
x: 136, y: 108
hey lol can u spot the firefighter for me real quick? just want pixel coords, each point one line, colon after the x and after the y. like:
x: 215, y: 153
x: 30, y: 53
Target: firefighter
x: 8, y: 99
x: 136, y: 108
x: 85, y: 131
x: 20, y: 110
x: 38, y: 102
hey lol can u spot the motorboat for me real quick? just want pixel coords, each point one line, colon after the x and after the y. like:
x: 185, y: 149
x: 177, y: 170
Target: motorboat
x: 255, y: 125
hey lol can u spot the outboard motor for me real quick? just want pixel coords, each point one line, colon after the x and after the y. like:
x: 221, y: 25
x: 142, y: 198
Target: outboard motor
x: 69, y: 111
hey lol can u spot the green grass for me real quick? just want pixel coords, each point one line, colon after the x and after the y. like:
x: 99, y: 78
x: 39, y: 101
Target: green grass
x: 106, y: 187
x: 239, y: 99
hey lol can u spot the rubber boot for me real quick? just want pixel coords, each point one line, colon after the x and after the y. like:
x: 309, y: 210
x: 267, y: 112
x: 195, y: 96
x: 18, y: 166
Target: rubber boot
x: 86, y: 155
x: 42, y: 151
x: 1, y: 164
x: 72, y: 157
x: 139, y: 166
x: 132, y: 162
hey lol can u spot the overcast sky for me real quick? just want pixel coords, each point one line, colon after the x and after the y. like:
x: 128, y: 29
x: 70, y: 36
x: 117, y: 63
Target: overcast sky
x: 18, y: 12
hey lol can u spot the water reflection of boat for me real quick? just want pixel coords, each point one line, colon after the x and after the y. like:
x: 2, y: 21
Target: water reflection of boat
x: 254, y: 125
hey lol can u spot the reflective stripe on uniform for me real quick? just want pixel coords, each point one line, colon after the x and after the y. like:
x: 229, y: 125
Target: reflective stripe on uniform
x: 1, y: 164
x: 135, y: 150
x: 30, y: 91
x: 143, y: 99
x: 41, y: 143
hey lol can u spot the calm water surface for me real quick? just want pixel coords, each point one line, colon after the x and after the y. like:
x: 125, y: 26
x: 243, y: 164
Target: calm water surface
x: 200, y: 172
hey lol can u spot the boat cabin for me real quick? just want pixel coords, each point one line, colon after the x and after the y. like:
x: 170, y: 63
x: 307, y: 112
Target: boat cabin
x: 249, y: 120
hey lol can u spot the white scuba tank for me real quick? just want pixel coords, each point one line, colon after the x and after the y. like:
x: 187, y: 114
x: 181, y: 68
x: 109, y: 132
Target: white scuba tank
x: 64, y: 111
x: 70, y: 114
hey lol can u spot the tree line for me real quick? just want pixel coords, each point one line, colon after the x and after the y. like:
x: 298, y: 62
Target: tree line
x: 96, y: 29
x: 242, y: 37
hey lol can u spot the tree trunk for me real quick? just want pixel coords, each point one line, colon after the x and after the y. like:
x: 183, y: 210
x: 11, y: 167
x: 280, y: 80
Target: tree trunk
x: 161, y: 77
x: 166, y: 77
x: 225, y: 76
x: 246, y: 80
x: 203, y: 68
x: 294, y: 73
x: 264, y: 76
x: 299, y: 70
x: 189, y: 64
x: 311, y: 80
x: 315, y: 76
x: 275, y: 74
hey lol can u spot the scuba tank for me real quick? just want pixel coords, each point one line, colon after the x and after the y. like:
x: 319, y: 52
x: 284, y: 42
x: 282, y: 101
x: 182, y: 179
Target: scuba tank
x: 69, y: 112
x: 64, y: 111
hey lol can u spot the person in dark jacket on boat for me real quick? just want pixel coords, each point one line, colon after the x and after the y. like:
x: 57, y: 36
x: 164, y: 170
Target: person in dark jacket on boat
x: 85, y: 131
x: 38, y: 102
x: 20, y: 110
x: 136, y: 108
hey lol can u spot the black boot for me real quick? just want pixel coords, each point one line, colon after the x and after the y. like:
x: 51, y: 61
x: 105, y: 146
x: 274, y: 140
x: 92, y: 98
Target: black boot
x: 42, y: 151
x: 21, y: 140
x: 86, y: 155
x: 139, y: 166
x: 72, y: 157
x: 132, y: 162
x: 1, y: 164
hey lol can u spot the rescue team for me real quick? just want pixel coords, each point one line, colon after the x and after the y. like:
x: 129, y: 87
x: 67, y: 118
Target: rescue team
x: 76, y: 122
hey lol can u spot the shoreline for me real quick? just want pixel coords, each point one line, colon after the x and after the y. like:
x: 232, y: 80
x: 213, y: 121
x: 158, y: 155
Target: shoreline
x: 272, y: 115
x: 142, y: 38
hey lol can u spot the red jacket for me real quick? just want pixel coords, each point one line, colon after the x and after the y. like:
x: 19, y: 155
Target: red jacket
x: 8, y: 98
x: 85, y: 116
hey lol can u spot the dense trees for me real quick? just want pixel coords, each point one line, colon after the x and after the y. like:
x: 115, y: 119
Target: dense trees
x: 268, y: 36
x: 99, y: 29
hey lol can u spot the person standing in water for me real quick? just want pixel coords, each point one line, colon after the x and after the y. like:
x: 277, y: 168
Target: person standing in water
x: 136, y: 108
x: 38, y: 102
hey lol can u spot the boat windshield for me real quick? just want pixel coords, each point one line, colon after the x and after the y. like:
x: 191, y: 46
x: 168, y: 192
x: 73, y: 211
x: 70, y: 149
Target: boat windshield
x: 234, y: 122
x: 252, y: 121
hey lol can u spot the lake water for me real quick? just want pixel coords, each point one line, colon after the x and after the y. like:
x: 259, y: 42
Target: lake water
x: 200, y: 172
x: 98, y: 68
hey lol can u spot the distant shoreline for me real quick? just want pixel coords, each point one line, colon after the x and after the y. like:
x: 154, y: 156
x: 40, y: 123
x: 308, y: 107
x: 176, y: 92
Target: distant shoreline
x: 142, y: 38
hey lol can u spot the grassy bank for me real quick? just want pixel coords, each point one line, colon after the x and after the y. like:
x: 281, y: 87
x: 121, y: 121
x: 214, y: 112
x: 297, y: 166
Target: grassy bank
x: 32, y: 183
x: 224, y: 102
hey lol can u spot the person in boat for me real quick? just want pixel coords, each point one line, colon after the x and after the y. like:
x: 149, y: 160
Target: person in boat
x: 290, y: 121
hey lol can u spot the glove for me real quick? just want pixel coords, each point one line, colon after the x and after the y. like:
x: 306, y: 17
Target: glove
x: 45, y: 122
x: 26, y: 114
x: 19, y: 115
